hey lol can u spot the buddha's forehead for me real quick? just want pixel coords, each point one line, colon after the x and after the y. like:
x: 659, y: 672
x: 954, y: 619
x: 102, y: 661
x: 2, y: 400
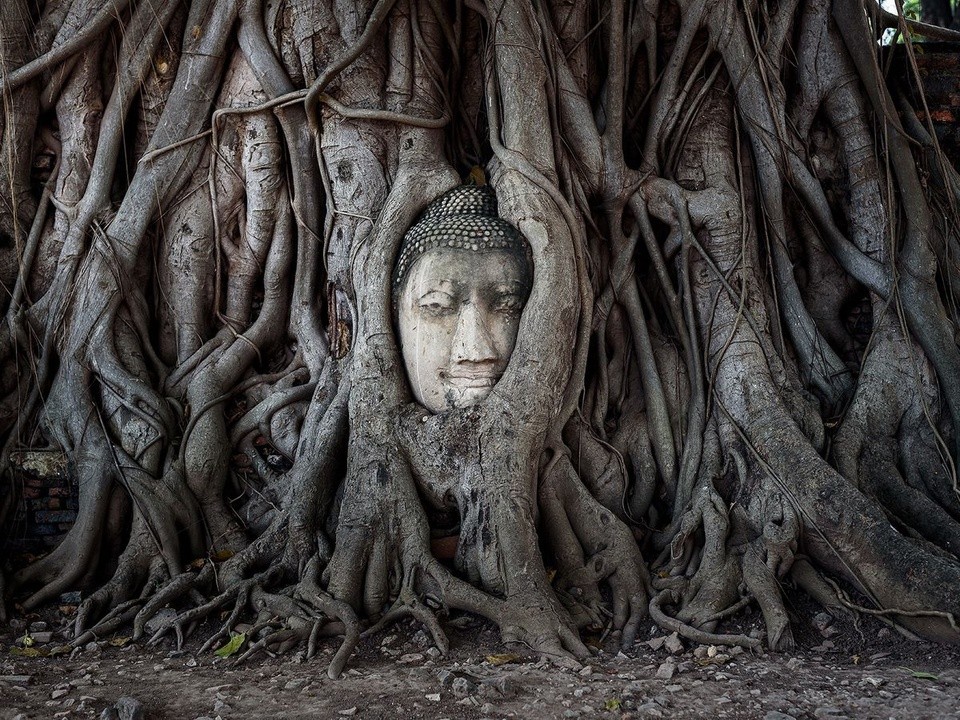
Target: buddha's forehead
x: 460, y: 269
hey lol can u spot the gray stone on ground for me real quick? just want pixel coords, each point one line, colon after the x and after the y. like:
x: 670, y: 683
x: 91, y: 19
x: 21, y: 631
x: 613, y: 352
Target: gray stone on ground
x: 666, y: 671
x: 499, y: 686
x: 830, y: 713
x: 673, y: 644
x: 126, y: 708
x: 445, y: 677
x: 656, y: 643
x: 461, y: 687
x: 160, y: 620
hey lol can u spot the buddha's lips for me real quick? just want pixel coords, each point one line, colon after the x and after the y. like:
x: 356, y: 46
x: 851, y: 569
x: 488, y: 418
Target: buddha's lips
x: 472, y: 379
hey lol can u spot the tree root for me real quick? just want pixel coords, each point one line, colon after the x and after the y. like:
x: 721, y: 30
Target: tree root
x: 670, y: 624
x: 892, y: 611
x: 294, y: 614
x: 342, y: 619
x: 710, y: 579
x: 592, y: 545
x: 177, y: 587
x: 413, y: 608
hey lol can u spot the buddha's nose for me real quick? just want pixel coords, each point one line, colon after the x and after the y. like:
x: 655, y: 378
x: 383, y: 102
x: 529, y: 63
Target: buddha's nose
x: 472, y: 340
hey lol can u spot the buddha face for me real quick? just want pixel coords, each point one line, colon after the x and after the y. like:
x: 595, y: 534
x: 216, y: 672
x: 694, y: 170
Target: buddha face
x: 458, y: 315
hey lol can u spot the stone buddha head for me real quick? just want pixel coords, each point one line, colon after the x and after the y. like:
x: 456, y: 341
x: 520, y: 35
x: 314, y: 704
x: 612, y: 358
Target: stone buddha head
x: 461, y: 280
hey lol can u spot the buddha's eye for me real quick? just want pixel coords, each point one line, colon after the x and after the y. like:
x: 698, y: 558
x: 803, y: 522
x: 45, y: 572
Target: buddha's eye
x: 508, y: 304
x: 437, y: 304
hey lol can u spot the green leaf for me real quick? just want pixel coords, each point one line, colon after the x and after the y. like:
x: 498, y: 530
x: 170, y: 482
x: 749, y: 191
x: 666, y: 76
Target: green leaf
x: 921, y: 675
x: 612, y: 704
x: 236, y: 642
x: 503, y: 659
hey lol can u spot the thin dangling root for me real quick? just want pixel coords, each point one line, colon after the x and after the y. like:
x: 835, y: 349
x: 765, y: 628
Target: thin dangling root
x: 892, y: 611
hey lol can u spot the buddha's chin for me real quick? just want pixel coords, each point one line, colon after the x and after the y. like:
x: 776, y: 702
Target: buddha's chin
x: 460, y: 396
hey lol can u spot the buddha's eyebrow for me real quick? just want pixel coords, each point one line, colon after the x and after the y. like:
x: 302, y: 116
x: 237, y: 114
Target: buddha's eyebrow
x: 441, y: 285
x: 444, y: 287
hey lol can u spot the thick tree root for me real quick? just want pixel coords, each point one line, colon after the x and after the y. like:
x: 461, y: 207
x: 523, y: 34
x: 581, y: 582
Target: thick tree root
x: 670, y: 624
x: 413, y: 608
x: 709, y: 579
x: 591, y: 545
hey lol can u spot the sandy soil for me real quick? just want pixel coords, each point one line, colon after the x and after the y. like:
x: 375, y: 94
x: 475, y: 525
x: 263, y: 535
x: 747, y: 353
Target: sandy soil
x: 840, y: 669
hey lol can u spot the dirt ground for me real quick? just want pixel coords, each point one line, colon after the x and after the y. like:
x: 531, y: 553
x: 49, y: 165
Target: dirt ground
x: 840, y: 669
